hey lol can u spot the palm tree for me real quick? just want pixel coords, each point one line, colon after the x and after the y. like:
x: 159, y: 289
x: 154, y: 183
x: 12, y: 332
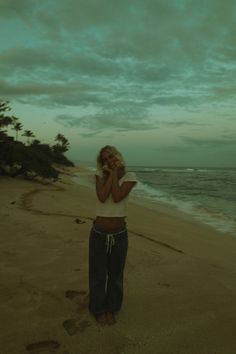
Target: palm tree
x: 17, y: 126
x: 36, y: 142
x: 59, y: 138
x: 29, y: 134
x: 3, y: 136
x: 4, y: 120
x: 63, y: 145
x: 4, y: 106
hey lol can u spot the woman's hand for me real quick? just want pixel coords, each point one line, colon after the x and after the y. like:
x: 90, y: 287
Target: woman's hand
x: 106, y: 169
x: 113, y: 166
x: 118, y: 164
x: 118, y: 169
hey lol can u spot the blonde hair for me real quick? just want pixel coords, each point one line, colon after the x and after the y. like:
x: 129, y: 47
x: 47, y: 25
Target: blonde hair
x: 111, y: 149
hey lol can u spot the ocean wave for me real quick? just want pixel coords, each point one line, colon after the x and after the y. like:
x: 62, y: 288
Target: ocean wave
x: 196, y: 209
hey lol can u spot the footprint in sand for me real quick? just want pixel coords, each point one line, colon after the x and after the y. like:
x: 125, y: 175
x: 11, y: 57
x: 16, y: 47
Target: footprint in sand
x: 26, y: 200
x: 73, y: 326
x: 71, y: 294
x: 79, y: 297
x: 46, y: 346
x: 164, y: 284
x: 79, y: 221
x: 77, y: 324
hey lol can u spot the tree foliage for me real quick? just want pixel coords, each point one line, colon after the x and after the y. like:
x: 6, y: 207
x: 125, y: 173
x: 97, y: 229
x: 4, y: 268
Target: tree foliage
x: 33, y: 158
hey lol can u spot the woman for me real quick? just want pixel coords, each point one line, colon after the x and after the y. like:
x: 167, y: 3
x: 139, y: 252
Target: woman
x: 108, y: 242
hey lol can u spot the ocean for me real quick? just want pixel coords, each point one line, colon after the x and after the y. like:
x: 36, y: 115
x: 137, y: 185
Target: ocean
x: 206, y: 194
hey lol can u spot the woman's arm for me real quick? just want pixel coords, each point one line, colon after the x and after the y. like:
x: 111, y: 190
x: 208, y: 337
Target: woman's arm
x: 120, y: 192
x: 103, y: 187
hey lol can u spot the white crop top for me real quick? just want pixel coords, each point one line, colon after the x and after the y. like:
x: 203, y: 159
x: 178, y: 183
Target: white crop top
x: 109, y: 208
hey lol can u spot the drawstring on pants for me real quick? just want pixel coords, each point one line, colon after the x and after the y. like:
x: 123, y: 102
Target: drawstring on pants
x: 110, y: 238
x: 110, y: 241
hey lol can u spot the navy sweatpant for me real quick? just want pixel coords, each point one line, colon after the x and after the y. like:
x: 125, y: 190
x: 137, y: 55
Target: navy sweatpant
x: 107, y: 255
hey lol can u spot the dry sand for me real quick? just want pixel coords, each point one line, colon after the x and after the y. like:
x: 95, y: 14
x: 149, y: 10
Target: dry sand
x: 180, y: 278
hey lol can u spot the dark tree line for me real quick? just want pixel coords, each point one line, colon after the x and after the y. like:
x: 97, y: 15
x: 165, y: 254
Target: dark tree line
x: 32, y: 158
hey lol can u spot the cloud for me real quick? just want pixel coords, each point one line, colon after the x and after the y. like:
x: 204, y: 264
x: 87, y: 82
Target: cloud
x: 172, y: 149
x: 53, y: 94
x: 32, y: 88
x: 84, y: 53
x: 229, y: 91
x: 215, y: 143
x: 122, y: 117
x: 179, y: 124
x: 170, y: 31
x: 16, y: 8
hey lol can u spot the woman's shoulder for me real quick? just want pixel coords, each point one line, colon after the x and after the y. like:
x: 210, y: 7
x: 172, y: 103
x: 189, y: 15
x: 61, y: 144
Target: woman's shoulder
x: 129, y: 176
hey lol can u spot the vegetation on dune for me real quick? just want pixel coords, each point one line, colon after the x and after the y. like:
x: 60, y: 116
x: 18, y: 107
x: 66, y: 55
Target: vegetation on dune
x: 32, y: 158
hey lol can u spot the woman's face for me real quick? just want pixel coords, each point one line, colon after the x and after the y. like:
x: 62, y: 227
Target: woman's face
x: 110, y: 159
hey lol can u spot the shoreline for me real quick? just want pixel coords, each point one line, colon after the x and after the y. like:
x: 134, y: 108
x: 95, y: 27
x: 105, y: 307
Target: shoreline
x: 179, y: 278
x: 85, y: 179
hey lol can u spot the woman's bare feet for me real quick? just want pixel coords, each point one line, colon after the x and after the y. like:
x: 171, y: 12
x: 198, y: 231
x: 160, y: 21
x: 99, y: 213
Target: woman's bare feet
x: 101, y: 318
x: 106, y: 318
x: 110, y: 317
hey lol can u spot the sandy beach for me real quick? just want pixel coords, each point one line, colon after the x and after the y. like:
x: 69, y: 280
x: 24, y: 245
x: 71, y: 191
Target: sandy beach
x: 180, y: 277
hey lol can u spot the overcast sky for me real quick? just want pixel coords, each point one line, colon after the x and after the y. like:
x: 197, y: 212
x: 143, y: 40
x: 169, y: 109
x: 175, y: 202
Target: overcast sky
x: 156, y: 78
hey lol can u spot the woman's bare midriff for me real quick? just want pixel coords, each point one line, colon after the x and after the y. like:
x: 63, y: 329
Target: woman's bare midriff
x: 110, y: 224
